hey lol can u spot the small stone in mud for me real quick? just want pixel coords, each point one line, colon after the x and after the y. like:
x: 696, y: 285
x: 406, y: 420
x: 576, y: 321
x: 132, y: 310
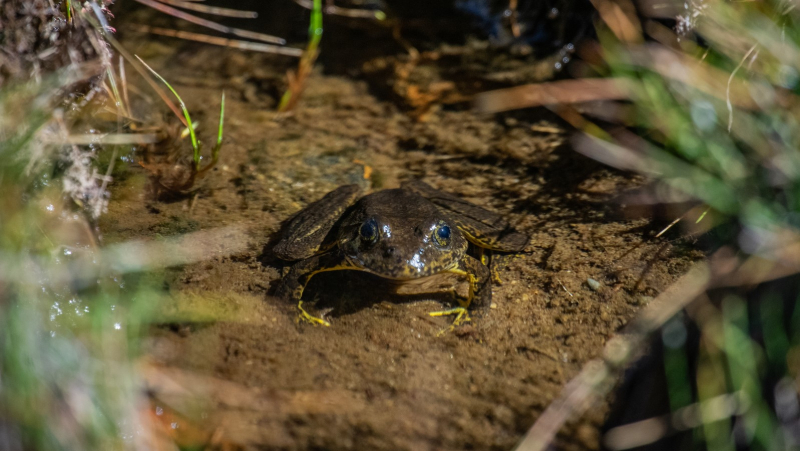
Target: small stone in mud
x: 493, y: 305
x: 593, y: 284
x: 642, y: 300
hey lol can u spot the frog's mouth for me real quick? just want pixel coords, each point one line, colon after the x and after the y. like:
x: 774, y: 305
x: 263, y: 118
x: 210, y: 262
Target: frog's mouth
x: 409, y: 271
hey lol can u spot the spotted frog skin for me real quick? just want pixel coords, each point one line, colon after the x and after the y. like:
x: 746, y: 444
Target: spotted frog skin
x: 398, y: 234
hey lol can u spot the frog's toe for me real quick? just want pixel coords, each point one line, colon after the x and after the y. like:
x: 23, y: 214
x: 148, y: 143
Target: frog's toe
x: 462, y: 316
x: 306, y: 317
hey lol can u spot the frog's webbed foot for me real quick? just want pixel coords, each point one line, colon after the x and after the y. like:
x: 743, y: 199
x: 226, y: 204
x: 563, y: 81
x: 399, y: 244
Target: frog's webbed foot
x: 294, y: 283
x: 478, y: 295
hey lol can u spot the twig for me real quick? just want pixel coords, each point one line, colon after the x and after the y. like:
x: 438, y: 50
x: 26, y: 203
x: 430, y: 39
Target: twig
x: 224, y: 42
x: 226, y: 12
x: 562, y: 286
x: 212, y: 25
x: 556, y: 92
x: 347, y: 12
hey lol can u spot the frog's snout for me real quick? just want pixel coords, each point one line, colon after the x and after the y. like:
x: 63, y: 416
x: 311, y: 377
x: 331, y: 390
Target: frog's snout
x: 392, y: 254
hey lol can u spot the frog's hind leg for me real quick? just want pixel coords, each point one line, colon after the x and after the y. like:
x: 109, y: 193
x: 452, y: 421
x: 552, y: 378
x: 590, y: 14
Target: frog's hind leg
x: 479, y: 293
x: 294, y: 283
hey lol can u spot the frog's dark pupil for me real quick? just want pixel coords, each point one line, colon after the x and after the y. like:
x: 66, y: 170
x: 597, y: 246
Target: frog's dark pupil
x: 369, y: 230
x: 444, y: 232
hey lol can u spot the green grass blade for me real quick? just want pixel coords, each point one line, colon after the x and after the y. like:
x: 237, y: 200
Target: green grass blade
x: 215, y: 151
x: 195, y: 146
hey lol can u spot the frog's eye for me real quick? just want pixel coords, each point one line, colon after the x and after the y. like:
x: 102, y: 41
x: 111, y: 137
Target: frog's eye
x: 441, y: 234
x: 369, y: 230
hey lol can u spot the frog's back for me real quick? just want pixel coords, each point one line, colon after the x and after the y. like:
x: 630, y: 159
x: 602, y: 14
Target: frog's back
x: 403, y: 205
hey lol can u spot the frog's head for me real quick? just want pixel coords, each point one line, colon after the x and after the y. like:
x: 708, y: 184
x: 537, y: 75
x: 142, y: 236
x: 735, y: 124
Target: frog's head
x: 400, y: 235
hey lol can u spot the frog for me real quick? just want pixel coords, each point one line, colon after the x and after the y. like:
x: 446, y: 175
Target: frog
x: 401, y: 234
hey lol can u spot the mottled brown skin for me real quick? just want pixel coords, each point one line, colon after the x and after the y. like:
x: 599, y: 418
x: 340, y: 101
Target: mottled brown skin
x: 482, y: 227
x: 329, y: 235
x: 406, y: 248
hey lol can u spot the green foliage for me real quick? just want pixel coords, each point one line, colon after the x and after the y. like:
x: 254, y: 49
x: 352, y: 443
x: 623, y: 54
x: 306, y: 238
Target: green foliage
x: 189, y: 125
x: 70, y: 326
x: 718, y: 109
x: 722, y: 118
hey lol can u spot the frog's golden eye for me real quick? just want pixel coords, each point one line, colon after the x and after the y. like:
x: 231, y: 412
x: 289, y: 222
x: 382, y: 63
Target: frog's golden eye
x: 441, y: 234
x: 369, y: 230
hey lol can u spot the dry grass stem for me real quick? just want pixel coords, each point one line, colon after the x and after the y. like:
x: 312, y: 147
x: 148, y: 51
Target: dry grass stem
x: 556, y: 92
x: 217, y: 11
x: 224, y: 42
x: 212, y: 25
x: 346, y: 12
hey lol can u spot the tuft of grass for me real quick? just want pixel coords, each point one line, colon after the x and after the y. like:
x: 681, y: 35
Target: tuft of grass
x: 717, y: 113
x: 191, y: 127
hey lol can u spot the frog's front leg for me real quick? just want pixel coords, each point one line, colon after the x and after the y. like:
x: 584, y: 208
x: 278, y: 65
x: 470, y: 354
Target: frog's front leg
x: 479, y: 293
x: 295, y: 281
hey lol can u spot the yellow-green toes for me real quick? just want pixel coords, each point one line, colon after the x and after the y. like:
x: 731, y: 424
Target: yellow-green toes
x: 306, y: 317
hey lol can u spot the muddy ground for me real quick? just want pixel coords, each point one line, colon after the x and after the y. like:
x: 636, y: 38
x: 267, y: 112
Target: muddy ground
x: 382, y: 377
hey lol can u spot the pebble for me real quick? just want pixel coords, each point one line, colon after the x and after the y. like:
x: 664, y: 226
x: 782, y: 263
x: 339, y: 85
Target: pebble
x: 644, y: 300
x: 493, y: 305
x: 593, y: 284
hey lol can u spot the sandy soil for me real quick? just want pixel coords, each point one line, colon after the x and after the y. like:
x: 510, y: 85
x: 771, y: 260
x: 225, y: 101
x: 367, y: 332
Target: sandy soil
x: 380, y: 377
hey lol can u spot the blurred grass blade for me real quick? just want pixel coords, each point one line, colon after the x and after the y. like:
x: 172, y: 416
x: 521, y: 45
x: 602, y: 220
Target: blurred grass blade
x: 195, y: 145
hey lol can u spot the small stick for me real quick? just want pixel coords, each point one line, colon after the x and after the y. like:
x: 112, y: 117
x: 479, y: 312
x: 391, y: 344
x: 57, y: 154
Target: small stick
x: 330, y: 8
x: 556, y: 92
x: 212, y: 25
x: 224, y: 42
x: 226, y: 12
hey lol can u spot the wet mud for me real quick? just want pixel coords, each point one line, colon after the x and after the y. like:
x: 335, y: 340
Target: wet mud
x: 382, y: 376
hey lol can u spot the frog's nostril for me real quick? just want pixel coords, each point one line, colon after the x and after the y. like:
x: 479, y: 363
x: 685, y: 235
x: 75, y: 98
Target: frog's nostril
x: 390, y: 251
